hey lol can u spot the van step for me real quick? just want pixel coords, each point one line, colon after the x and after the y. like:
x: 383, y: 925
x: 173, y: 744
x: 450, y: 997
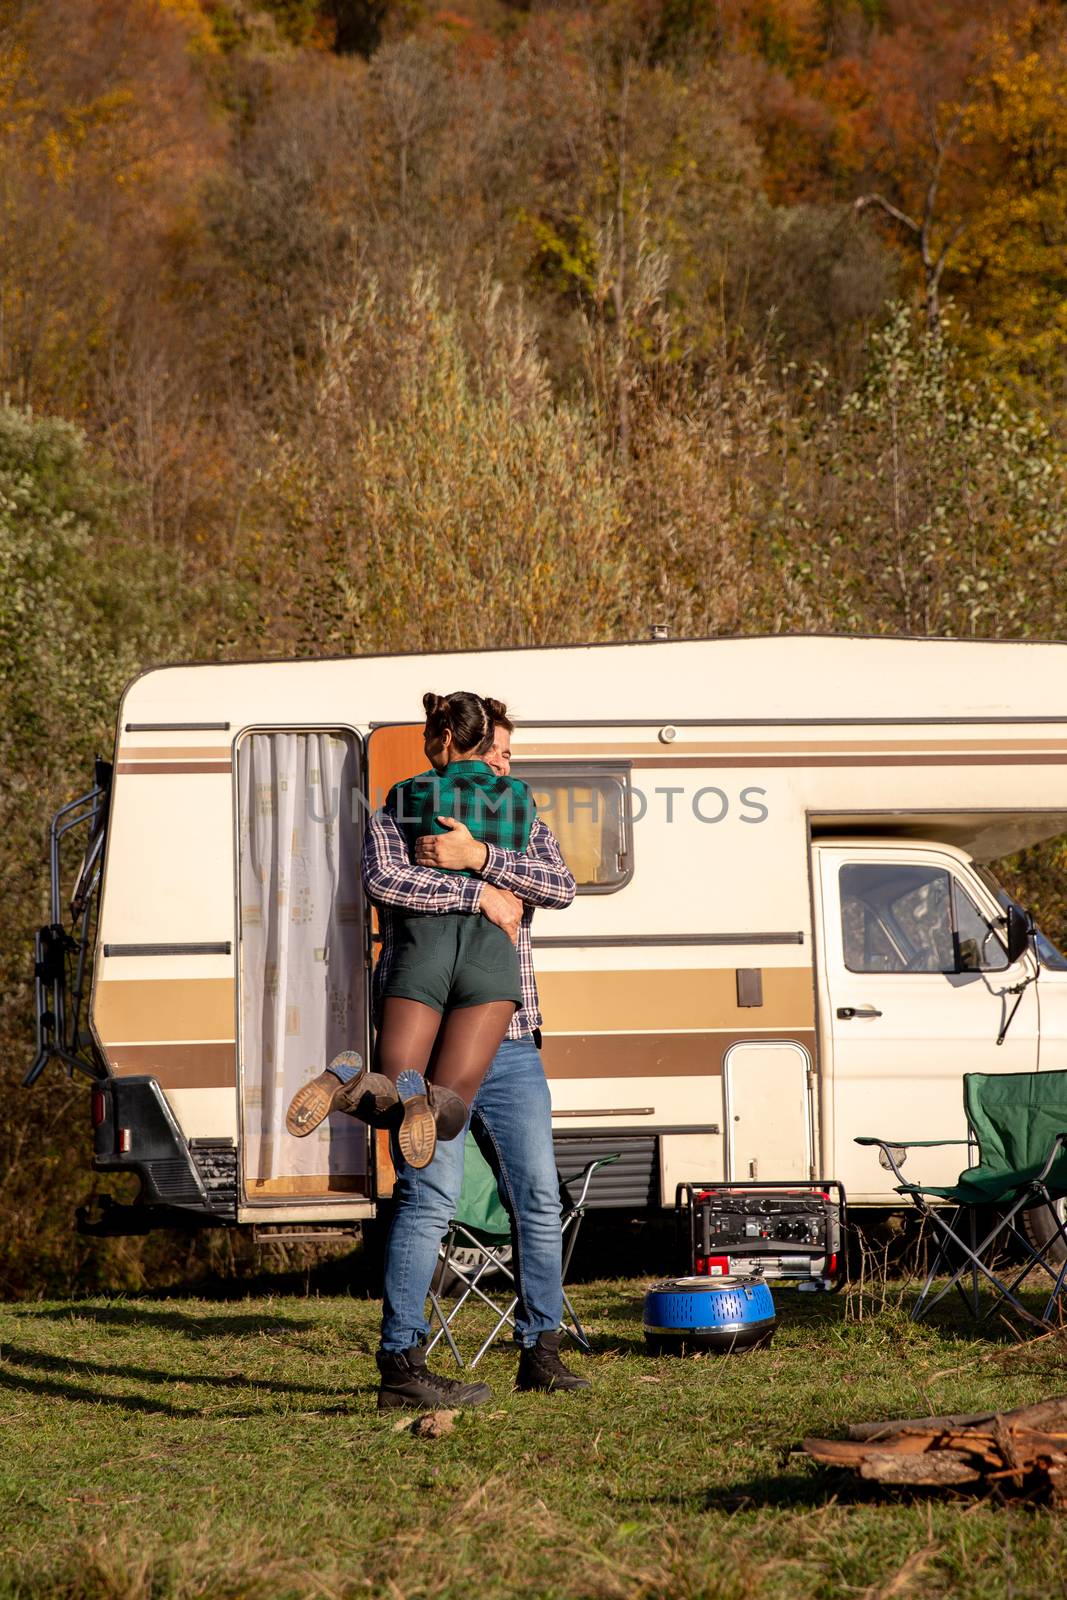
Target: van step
x: 216, y: 1162
x: 261, y: 1235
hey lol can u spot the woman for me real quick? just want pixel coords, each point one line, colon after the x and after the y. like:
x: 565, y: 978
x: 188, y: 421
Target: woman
x: 453, y: 985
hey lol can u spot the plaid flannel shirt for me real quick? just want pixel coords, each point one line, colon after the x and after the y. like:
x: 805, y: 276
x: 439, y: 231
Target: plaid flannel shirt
x: 496, y: 810
x: 540, y: 877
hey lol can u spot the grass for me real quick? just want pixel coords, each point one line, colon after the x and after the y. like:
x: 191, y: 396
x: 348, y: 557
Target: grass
x: 185, y: 1447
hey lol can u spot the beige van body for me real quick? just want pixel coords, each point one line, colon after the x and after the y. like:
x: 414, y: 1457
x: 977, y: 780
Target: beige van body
x: 771, y: 836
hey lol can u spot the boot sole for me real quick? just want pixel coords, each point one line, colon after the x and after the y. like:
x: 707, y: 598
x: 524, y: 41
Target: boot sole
x: 310, y: 1106
x: 417, y: 1137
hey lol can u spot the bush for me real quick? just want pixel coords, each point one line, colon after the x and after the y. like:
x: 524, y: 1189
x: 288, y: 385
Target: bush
x: 81, y: 607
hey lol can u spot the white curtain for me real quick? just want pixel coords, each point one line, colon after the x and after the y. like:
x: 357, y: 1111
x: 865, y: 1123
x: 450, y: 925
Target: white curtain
x: 302, y: 950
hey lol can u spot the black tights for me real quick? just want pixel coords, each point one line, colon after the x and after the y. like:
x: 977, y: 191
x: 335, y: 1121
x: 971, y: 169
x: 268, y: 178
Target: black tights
x: 454, y: 1049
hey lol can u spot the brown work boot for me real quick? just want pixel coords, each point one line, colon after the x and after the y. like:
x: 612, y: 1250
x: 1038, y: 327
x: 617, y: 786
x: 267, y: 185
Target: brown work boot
x: 417, y: 1134
x: 371, y: 1097
x: 541, y: 1368
x: 314, y: 1102
x: 450, y: 1112
x: 408, y: 1382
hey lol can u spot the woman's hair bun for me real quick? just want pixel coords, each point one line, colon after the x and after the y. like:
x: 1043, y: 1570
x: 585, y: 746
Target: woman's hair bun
x: 499, y: 713
x: 466, y: 716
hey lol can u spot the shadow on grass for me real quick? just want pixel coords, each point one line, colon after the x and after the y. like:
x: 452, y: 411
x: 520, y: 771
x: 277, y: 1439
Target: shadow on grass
x: 155, y: 1312
x: 796, y: 1491
x: 38, y: 1361
x: 28, y: 1380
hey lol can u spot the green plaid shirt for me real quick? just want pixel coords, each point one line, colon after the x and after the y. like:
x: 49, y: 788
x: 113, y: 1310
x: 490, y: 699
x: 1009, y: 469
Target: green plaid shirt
x: 498, y: 811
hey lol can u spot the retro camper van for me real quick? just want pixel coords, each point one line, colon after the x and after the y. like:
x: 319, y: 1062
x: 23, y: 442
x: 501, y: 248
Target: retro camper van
x: 784, y: 933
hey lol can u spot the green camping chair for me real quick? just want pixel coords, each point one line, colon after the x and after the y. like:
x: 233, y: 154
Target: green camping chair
x: 477, y: 1247
x: 1018, y: 1122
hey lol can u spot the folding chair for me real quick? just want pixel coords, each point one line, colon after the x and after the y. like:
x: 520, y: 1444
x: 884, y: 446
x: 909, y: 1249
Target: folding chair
x: 482, y: 1227
x: 1018, y: 1122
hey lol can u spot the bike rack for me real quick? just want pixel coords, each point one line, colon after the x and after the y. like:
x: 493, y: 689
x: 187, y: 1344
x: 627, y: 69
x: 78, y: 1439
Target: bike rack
x: 59, y: 1004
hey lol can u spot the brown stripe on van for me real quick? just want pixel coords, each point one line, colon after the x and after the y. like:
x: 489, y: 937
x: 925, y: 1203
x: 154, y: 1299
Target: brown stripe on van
x: 148, y: 767
x: 652, y: 1001
x: 175, y: 1010
x: 177, y: 1066
x: 652, y: 1055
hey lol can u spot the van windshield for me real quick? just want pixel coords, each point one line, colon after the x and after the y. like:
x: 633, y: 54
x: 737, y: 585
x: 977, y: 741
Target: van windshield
x: 1047, y: 953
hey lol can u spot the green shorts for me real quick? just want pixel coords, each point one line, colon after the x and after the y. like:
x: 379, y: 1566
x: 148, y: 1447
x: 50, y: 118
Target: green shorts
x: 456, y: 960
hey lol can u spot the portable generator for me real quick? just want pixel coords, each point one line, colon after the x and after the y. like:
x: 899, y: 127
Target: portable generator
x: 701, y: 1313
x: 785, y: 1233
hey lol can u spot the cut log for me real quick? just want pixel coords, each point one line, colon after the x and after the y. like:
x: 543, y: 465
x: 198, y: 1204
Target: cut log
x: 1047, y: 1415
x: 1022, y: 1451
x: 931, y: 1470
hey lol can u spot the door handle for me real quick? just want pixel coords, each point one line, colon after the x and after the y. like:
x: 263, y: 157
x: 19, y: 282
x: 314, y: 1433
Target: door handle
x: 847, y: 1013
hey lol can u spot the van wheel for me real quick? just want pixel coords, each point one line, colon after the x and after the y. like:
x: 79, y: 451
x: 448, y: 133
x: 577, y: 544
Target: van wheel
x: 1039, y: 1229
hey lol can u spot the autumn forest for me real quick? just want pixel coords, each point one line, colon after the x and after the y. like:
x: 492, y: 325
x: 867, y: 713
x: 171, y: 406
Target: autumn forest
x: 356, y: 325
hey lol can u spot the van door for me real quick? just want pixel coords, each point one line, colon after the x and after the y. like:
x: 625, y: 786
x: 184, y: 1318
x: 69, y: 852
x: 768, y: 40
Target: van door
x: 767, y: 1092
x: 915, y: 988
x: 303, y: 956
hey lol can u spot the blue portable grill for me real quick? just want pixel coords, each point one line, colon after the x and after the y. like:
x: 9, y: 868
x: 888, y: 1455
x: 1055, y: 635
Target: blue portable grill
x: 722, y: 1314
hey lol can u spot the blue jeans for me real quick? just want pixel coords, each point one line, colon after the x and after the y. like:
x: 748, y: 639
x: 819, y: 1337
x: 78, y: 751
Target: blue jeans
x: 511, y: 1118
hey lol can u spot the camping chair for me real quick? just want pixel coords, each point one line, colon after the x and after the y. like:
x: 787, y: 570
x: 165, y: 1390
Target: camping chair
x: 481, y: 1229
x: 1018, y: 1121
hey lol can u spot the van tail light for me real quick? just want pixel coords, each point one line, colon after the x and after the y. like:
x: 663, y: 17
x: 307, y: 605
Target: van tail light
x: 125, y: 1141
x: 98, y: 1107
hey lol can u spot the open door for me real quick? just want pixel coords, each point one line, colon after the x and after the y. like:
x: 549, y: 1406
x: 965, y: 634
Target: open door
x: 394, y: 752
x: 303, y: 969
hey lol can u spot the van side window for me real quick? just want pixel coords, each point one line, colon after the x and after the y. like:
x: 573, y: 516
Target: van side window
x: 897, y: 918
x: 588, y: 810
x: 981, y: 948
x: 909, y: 918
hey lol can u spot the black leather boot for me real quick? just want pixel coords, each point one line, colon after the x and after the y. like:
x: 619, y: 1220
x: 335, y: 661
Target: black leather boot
x: 541, y: 1368
x: 407, y: 1381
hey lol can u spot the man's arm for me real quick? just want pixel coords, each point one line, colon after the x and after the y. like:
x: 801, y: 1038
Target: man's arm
x: 390, y: 879
x: 541, y: 877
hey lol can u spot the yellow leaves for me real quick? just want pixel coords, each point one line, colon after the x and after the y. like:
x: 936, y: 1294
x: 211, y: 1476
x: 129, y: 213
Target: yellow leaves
x: 203, y: 39
x: 114, y: 106
x: 57, y: 155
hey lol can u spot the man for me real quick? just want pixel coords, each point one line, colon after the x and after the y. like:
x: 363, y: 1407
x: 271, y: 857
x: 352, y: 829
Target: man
x: 510, y: 1115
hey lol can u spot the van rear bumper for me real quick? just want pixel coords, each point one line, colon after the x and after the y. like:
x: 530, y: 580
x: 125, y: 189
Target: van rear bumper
x: 193, y: 1182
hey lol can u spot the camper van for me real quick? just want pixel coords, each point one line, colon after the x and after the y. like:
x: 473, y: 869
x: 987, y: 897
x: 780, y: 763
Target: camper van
x: 784, y: 933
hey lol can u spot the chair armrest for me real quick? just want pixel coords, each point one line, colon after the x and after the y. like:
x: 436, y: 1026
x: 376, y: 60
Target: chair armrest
x: 1057, y: 1145
x: 585, y: 1178
x: 908, y: 1144
x: 893, y: 1150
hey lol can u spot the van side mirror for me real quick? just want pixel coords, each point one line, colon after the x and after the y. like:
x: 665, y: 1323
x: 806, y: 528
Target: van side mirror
x: 1018, y: 933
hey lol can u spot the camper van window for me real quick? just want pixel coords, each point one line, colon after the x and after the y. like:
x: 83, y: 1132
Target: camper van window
x: 980, y: 947
x: 588, y: 810
x: 899, y: 917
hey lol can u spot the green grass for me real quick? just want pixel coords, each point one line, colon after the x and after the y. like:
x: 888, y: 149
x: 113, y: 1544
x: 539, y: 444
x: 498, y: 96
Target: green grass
x: 179, y: 1447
